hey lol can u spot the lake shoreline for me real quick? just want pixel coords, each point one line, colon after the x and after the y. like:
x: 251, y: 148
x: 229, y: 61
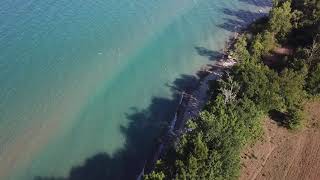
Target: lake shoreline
x: 193, y: 100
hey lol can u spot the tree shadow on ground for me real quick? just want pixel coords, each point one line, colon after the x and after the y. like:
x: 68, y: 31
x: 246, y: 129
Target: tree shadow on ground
x: 210, y: 54
x: 279, y: 117
x: 239, y: 19
x: 142, y: 136
x: 258, y: 3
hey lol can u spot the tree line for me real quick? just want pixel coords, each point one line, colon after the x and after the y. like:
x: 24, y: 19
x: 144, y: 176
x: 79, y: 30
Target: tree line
x: 211, y: 145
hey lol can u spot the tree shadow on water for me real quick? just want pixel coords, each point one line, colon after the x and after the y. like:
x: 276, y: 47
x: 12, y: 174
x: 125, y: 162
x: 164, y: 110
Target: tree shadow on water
x: 210, y: 54
x: 185, y: 83
x: 258, y: 3
x: 239, y: 19
x: 141, y: 135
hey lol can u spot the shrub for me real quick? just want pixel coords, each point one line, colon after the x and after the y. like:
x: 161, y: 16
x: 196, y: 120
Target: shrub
x: 292, y: 87
x: 295, y: 117
x: 313, y: 81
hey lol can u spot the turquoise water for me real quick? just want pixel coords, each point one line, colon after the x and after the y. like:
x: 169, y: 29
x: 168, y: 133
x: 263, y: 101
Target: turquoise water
x: 86, y: 85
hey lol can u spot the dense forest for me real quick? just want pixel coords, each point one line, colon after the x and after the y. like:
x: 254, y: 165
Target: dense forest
x: 261, y: 82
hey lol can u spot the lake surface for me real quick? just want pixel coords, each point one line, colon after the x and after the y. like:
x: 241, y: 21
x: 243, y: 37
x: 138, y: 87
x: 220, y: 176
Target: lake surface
x: 85, y: 86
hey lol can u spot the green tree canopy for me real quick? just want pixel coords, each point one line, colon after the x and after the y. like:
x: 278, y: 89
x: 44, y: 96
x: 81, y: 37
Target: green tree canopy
x: 241, y: 52
x: 313, y: 81
x: 292, y: 87
x: 259, y: 84
x: 280, y: 19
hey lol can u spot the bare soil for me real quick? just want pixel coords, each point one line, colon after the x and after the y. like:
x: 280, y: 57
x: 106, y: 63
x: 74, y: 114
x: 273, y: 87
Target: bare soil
x: 283, y: 154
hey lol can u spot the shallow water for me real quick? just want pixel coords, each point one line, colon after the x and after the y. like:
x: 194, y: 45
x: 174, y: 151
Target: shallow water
x: 86, y: 85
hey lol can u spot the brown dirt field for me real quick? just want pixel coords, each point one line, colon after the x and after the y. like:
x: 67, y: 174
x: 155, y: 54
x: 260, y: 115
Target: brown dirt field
x: 286, y: 155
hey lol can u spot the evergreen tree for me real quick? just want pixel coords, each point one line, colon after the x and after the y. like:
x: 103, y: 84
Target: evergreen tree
x: 280, y: 20
x: 241, y: 52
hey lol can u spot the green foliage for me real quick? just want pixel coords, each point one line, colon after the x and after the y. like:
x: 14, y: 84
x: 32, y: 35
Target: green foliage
x: 154, y: 176
x: 275, y: 3
x: 194, y: 153
x: 295, y: 117
x: 262, y: 44
x: 292, y: 87
x: 257, y: 48
x: 306, y: 21
x: 299, y: 60
x: 211, y: 147
x: 211, y: 144
x: 259, y: 84
x: 241, y: 52
x: 250, y: 115
x: 280, y: 20
x: 309, y: 11
x: 269, y: 42
x: 313, y: 81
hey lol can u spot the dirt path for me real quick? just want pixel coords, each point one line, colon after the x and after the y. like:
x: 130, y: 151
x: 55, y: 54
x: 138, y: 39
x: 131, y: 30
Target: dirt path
x: 286, y: 155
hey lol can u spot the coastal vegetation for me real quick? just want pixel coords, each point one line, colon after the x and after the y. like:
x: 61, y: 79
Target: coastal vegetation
x: 278, y: 68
